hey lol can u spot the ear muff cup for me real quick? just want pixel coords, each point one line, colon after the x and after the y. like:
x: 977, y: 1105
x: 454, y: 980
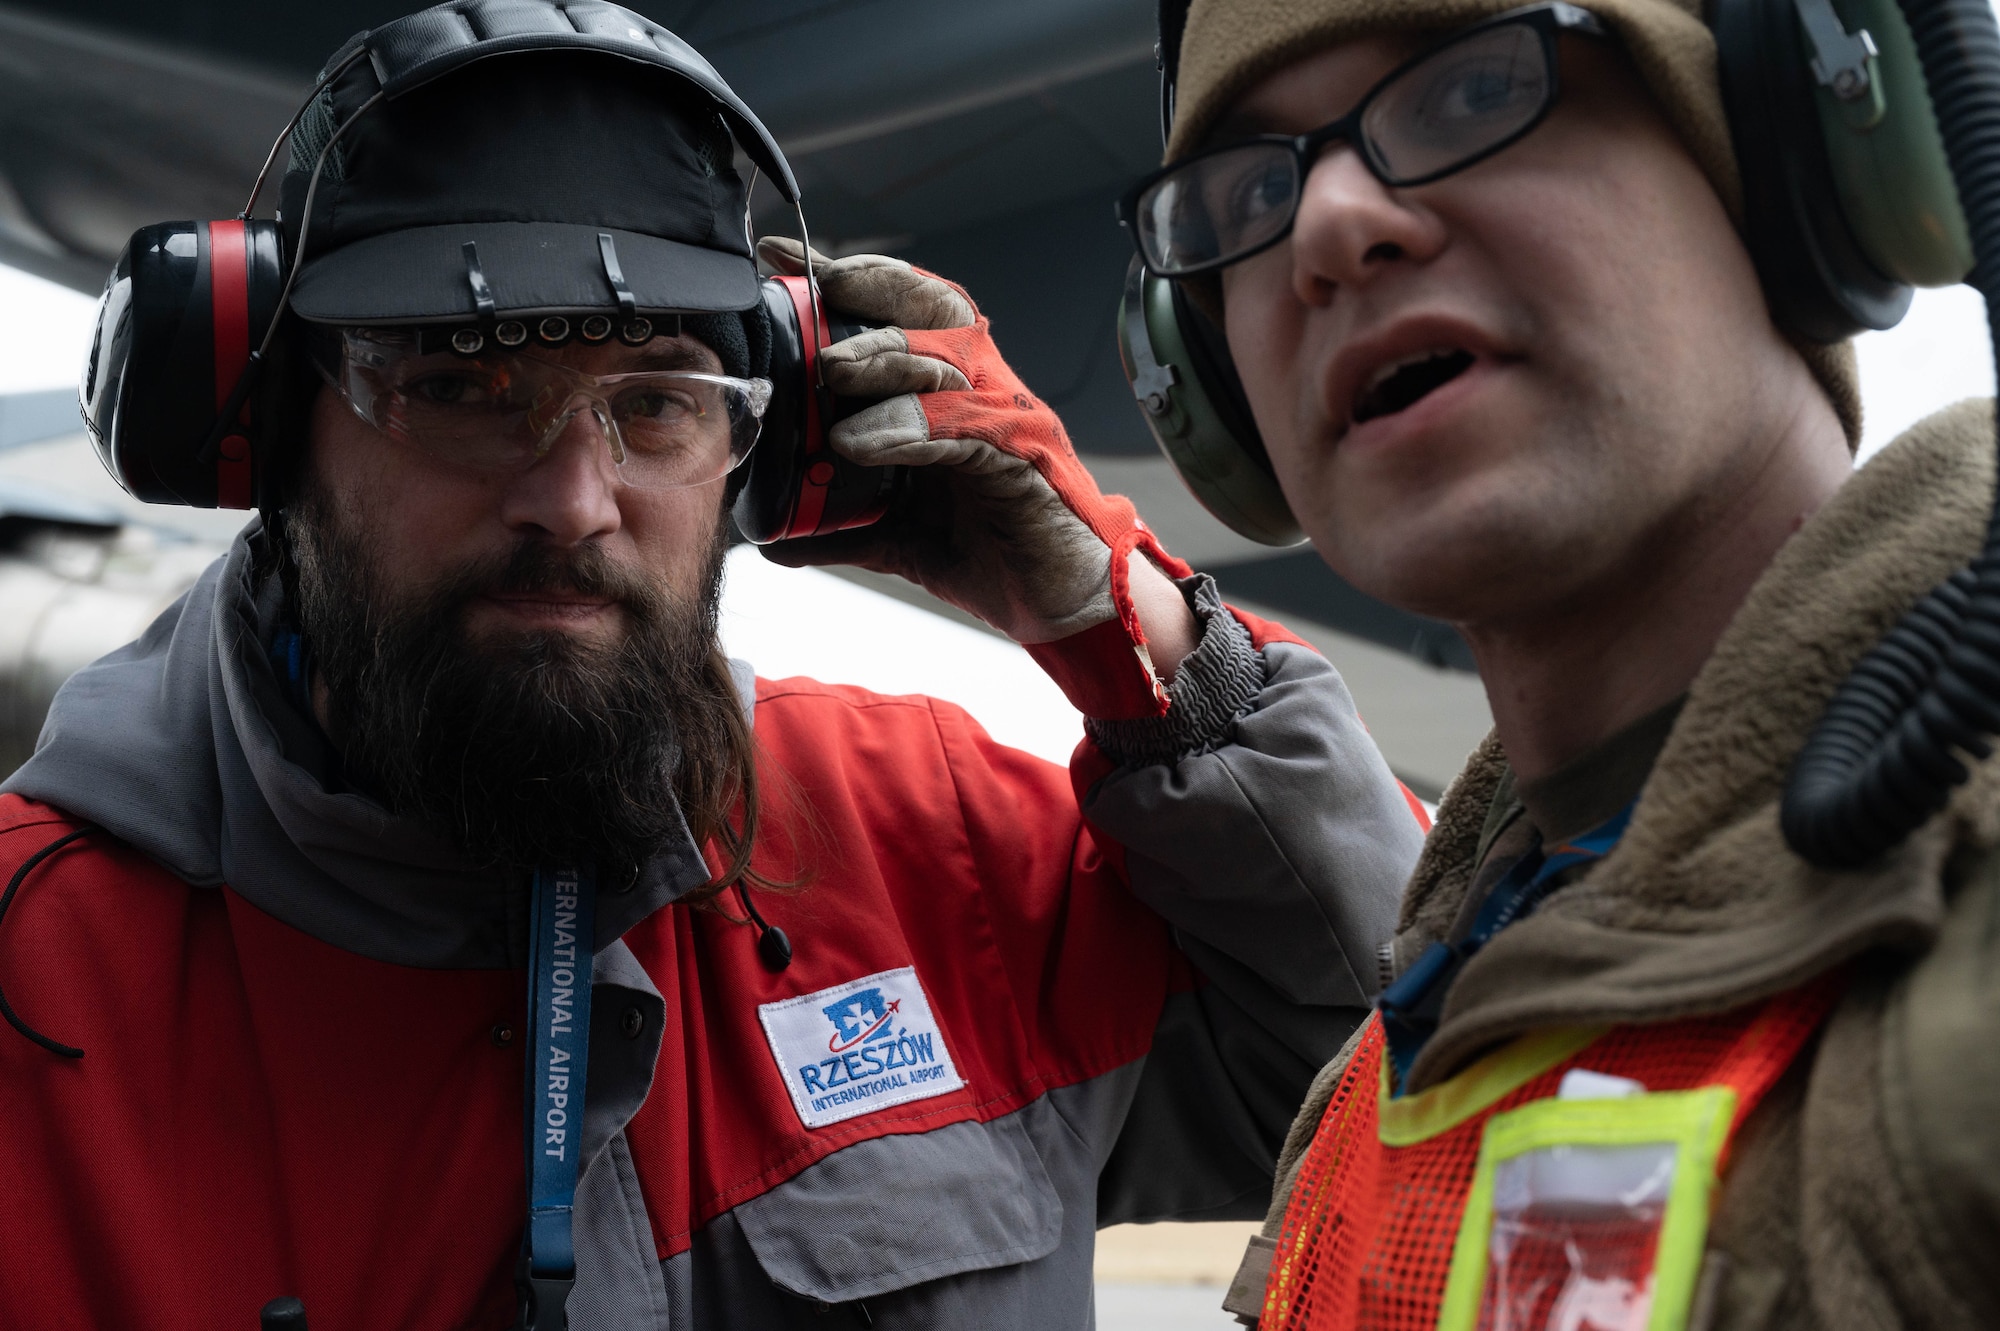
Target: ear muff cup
x: 793, y: 484
x: 175, y: 330
x: 1888, y: 160
x: 1178, y: 364
x: 1847, y: 203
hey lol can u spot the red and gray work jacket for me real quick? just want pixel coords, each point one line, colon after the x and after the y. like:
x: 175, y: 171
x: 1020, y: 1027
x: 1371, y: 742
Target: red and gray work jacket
x: 303, y: 1074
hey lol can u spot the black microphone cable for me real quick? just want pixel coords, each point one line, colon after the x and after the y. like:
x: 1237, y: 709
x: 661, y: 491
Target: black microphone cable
x: 1886, y: 754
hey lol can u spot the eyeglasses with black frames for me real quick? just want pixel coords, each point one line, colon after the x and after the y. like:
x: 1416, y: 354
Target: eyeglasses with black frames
x: 1440, y: 112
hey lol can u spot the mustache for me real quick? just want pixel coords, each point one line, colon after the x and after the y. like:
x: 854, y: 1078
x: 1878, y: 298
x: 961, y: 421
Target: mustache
x: 533, y: 567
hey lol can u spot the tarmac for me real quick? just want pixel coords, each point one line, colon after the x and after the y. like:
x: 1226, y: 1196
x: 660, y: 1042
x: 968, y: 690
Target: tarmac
x: 1168, y: 1277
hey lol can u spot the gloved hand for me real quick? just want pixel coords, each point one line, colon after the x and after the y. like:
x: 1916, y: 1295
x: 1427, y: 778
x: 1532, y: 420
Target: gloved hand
x: 1007, y: 524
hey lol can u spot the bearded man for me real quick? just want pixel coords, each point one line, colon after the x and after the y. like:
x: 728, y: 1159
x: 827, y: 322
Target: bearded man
x: 877, y: 1020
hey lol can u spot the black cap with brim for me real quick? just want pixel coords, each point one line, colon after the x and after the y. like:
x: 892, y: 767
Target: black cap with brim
x: 482, y: 189
x: 424, y: 275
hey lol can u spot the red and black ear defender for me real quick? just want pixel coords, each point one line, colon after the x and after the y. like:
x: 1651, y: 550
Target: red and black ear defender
x: 1848, y: 205
x: 178, y: 415
x: 168, y: 390
x: 802, y: 487
x: 184, y: 407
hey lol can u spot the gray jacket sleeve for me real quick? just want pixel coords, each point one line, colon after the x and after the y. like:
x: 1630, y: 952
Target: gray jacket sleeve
x: 1261, y: 822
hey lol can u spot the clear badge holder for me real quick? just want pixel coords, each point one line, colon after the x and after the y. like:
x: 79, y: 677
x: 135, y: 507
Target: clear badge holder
x: 1588, y: 1214
x: 1574, y: 1233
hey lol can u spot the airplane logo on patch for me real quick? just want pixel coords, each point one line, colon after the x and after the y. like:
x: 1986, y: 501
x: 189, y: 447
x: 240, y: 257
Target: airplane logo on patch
x: 859, y: 1047
x: 859, y: 1018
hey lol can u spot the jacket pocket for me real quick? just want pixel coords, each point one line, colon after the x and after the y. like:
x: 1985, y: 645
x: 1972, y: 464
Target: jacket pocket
x: 892, y: 1212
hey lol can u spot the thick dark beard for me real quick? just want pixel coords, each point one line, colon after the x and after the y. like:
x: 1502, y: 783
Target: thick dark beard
x: 527, y: 748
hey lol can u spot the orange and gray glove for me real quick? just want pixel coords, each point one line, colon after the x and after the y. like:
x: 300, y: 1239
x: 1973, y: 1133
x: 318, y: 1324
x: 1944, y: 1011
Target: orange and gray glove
x: 1006, y: 523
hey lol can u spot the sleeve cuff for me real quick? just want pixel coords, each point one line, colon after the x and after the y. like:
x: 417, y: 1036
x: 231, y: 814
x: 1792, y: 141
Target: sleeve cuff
x: 1218, y: 682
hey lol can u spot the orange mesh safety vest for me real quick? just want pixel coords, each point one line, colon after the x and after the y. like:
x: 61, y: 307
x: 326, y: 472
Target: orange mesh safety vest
x: 1371, y: 1238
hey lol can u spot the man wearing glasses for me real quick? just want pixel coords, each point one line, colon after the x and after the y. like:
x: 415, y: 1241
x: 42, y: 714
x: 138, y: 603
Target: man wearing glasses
x: 1636, y: 1063
x: 876, y: 1021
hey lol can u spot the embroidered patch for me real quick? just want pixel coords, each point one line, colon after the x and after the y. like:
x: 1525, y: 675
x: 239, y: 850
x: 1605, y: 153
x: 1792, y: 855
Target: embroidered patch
x: 859, y: 1047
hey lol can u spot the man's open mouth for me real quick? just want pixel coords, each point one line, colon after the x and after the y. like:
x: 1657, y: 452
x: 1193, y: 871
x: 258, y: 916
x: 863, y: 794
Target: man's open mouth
x: 1408, y: 381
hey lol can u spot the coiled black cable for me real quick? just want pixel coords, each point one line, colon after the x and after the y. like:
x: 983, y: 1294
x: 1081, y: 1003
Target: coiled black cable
x: 1887, y: 753
x: 7, y: 899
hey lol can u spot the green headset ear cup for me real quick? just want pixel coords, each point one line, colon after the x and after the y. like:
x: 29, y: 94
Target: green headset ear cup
x: 1178, y: 366
x: 1820, y: 283
x: 1888, y: 162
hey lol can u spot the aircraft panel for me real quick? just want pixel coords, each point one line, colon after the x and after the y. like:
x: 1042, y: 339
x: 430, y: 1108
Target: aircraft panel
x: 987, y: 142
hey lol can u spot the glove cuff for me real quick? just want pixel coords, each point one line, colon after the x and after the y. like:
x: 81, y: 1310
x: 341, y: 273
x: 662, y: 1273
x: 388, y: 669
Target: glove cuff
x: 1105, y: 670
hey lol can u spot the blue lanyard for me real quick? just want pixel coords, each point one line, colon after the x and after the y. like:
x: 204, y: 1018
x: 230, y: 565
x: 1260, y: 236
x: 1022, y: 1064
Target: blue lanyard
x: 560, y: 941
x: 1411, y: 1006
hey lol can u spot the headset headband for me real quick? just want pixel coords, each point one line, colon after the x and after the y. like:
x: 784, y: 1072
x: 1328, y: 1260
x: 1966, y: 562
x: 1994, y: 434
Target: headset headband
x: 420, y: 47
x: 1173, y: 22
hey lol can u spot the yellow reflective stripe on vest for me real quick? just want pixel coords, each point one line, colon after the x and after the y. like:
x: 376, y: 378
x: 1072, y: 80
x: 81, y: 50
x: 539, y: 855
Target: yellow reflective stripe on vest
x: 1409, y: 1119
x: 1695, y: 1123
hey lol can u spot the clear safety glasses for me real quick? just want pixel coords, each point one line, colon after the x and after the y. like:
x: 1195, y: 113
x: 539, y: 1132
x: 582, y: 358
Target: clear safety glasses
x: 1440, y: 112
x: 503, y: 411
